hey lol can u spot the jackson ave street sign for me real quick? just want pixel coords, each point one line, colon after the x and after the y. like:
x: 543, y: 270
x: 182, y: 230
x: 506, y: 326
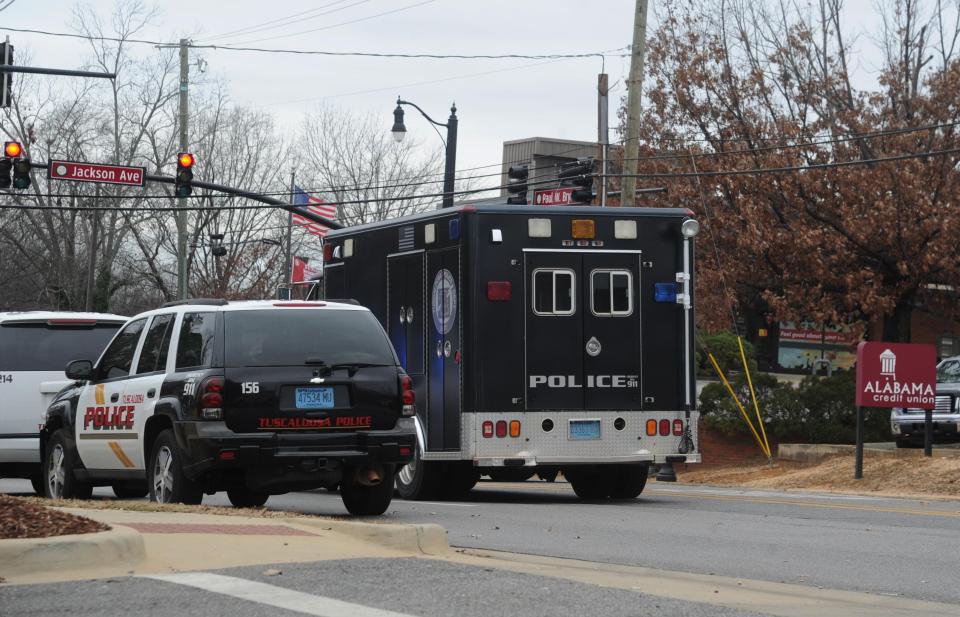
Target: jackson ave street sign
x: 93, y: 172
x: 896, y: 375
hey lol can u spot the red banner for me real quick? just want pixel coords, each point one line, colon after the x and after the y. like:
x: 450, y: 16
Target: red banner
x: 303, y: 271
x: 896, y: 375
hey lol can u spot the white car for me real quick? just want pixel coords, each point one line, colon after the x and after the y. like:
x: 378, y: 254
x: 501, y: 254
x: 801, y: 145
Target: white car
x: 35, y: 347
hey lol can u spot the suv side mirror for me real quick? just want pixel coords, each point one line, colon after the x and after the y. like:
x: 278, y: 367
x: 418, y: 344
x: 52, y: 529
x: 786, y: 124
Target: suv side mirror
x: 80, y: 370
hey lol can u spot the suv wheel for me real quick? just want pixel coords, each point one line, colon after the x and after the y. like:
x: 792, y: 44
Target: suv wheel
x: 59, y: 463
x: 419, y: 479
x: 168, y: 484
x: 243, y: 497
x: 362, y: 500
x: 630, y: 480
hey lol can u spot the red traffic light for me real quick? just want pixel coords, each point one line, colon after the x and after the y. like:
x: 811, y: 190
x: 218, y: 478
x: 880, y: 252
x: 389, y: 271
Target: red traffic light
x: 12, y: 149
x: 185, y: 159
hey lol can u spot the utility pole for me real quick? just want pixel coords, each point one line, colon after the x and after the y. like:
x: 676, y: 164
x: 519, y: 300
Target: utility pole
x: 632, y: 143
x: 92, y: 252
x: 603, y: 139
x: 288, y: 273
x: 184, y: 147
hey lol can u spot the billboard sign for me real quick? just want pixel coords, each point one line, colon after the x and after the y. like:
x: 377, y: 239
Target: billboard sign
x: 896, y: 375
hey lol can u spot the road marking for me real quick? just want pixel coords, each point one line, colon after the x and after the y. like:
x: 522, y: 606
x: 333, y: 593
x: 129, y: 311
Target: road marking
x: 272, y: 595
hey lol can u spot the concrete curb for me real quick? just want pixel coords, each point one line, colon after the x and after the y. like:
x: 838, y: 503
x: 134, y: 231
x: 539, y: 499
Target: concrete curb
x: 428, y: 539
x: 119, y: 545
x: 809, y: 453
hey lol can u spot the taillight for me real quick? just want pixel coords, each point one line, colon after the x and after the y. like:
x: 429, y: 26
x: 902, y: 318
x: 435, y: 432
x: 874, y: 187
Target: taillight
x: 327, y: 252
x: 488, y: 429
x: 408, y: 395
x: 678, y: 427
x: 651, y: 428
x: 211, y: 398
x: 514, y: 428
x: 501, y: 428
x: 499, y: 291
x: 664, y: 427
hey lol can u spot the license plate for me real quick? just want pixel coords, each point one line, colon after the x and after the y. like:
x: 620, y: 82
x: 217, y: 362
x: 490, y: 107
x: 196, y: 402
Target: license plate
x: 314, y: 398
x: 584, y: 429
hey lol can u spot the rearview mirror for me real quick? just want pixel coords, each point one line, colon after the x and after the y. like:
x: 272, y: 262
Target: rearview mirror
x: 80, y: 370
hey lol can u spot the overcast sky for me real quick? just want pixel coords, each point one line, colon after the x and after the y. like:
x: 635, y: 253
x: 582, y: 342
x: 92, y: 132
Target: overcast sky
x: 497, y: 100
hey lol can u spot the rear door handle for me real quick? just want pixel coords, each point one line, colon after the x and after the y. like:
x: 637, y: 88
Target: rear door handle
x: 114, y: 397
x: 151, y: 392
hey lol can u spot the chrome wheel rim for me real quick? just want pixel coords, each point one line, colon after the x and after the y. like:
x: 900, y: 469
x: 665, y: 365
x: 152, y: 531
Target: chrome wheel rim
x: 162, y: 476
x: 408, y: 472
x: 56, y: 472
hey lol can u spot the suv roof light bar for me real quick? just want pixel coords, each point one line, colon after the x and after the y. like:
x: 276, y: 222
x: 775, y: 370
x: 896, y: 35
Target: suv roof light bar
x: 200, y: 301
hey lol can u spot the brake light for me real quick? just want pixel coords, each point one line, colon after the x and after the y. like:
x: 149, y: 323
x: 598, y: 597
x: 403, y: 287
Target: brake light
x: 408, y: 395
x: 71, y: 322
x: 211, y: 398
x: 514, y: 428
x: 664, y: 427
x: 501, y: 428
x: 488, y: 429
x: 499, y: 291
x: 651, y: 428
x: 228, y: 455
x: 678, y: 427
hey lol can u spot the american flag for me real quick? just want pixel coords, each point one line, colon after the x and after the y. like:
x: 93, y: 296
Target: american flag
x: 315, y: 205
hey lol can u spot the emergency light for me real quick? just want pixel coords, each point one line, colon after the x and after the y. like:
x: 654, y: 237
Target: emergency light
x: 665, y: 292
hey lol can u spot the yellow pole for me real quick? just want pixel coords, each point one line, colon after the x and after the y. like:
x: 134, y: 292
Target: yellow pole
x: 753, y: 395
x: 736, y: 400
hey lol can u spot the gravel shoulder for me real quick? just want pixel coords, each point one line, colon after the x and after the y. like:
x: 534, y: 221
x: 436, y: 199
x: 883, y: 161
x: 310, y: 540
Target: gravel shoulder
x: 937, y: 478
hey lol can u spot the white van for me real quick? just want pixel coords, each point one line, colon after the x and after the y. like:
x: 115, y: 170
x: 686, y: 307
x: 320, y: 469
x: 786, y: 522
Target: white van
x: 35, y: 347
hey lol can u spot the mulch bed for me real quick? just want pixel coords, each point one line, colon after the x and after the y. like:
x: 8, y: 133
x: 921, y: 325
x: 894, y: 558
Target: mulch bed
x: 20, y: 518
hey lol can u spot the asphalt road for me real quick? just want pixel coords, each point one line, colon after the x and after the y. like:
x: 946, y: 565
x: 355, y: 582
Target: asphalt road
x: 885, y: 546
x: 410, y: 587
x: 888, y: 546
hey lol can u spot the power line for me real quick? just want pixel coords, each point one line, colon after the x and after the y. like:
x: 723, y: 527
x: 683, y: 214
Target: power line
x: 769, y: 170
x: 731, y: 172
x: 289, y: 19
x: 362, y: 54
x: 345, y: 23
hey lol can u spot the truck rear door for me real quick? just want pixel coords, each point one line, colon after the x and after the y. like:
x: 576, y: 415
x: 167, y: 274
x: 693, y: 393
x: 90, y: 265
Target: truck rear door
x: 583, y: 330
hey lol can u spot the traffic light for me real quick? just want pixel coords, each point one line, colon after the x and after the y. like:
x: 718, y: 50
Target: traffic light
x: 6, y: 79
x: 185, y: 162
x: 12, y: 159
x: 578, y: 174
x: 21, y: 173
x: 517, y: 184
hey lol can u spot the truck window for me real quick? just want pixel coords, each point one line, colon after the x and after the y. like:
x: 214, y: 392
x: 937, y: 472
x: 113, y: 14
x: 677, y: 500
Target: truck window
x: 153, y: 357
x: 39, y: 346
x: 554, y: 291
x: 292, y: 337
x: 196, y: 342
x: 119, y: 356
x: 611, y: 293
x: 949, y: 372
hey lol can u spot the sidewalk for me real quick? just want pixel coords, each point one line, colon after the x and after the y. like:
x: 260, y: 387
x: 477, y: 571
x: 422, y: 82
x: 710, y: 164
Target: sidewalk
x: 177, y: 541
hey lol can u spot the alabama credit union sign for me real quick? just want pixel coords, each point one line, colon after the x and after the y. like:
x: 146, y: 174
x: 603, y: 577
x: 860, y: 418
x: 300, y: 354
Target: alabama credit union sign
x: 896, y: 375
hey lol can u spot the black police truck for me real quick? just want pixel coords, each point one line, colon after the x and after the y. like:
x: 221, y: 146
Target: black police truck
x: 538, y: 339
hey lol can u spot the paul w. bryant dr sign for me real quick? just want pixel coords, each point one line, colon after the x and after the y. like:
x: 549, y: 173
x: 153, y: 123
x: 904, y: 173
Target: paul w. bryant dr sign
x: 896, y: 375
x: 93, y: 172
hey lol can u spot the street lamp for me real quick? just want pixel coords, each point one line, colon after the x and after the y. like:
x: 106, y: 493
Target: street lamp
x: 399, y: 131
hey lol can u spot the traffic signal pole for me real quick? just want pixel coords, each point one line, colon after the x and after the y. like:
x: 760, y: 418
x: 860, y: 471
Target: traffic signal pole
x: 184, y: 147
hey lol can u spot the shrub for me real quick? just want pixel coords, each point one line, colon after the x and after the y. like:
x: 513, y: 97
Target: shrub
x: 723, y: 346
x: 819, y: 410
